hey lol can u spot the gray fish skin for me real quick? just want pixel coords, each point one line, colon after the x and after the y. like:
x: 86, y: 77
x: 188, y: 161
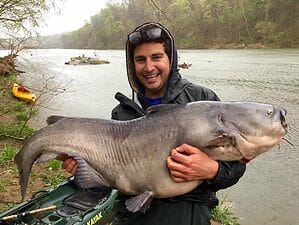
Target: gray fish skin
x: 131, y: 155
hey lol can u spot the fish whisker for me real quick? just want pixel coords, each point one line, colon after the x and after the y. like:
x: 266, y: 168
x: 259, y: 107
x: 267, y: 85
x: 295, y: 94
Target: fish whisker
x: 286, y: 140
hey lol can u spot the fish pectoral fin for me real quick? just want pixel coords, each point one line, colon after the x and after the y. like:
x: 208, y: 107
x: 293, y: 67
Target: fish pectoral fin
x: 140, y: 202
x: 222, y: 139
x: 87, y: 177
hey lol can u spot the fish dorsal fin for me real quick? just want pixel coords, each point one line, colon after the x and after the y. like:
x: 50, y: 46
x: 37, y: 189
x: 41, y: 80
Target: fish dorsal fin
x: 162, y: 108
x: 53, y: 119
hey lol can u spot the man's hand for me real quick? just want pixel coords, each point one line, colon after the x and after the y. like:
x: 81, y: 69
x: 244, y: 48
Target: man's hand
x: 187, y: 163
x: 70, y: 165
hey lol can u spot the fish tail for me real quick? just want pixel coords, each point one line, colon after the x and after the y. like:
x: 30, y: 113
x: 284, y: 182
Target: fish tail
x: 24, y: 167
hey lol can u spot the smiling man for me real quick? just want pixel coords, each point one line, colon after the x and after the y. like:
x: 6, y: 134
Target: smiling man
x: 152, y: 71
x: 154, y: 78
x: 152, y: 68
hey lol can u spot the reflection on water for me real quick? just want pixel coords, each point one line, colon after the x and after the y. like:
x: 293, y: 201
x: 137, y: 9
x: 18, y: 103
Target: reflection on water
x: 269, y: 192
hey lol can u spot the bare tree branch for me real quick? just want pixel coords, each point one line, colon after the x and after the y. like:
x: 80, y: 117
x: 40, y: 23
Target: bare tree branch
x: 156, y: 7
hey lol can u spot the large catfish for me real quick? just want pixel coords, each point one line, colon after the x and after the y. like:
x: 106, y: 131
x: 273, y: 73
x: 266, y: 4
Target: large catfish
x: 131, y: 155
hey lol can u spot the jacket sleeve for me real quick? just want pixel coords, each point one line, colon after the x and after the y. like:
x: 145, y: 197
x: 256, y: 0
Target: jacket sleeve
x: 228, y: 174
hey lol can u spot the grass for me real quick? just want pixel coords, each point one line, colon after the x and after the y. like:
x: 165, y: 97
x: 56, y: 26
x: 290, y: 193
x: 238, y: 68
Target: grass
x: 21, y: 111
x: 17, y: 128
x: 8, y: 206
x: 3, y: 183
x: 16, y: 107
x: 11, y: 78
x: 7, y: 154
x: 52, y: 181
x: 55, y: 165
x: 223, y: 214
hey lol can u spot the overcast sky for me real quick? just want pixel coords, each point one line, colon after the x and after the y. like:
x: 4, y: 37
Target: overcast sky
x: 73, y: 15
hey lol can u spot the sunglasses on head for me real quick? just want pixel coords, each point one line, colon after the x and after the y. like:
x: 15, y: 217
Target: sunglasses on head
x: 140, y: 36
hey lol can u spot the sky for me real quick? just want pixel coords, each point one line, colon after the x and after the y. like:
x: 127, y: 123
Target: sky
x: 74, y: 14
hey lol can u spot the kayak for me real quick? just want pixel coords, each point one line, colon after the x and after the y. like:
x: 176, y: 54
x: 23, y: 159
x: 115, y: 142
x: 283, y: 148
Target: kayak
x: 64, y: 205
x: 23, y: 93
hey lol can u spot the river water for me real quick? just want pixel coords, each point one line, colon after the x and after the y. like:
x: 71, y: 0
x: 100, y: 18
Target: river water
x: 269, y: 191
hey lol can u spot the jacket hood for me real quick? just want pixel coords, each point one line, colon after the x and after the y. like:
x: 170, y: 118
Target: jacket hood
x: 133, y: 81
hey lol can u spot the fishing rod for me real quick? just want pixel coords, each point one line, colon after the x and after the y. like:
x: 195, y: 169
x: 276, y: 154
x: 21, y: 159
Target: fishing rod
x: 18, y: 215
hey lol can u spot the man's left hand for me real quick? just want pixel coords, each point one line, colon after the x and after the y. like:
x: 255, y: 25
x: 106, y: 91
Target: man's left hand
x: 187, y: 163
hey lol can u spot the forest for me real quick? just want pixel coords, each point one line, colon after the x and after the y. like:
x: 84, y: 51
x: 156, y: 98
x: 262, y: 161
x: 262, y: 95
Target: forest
x: 195, y: 24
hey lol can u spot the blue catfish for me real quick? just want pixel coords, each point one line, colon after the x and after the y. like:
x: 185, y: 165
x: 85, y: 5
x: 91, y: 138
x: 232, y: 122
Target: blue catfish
x: 131, y: 155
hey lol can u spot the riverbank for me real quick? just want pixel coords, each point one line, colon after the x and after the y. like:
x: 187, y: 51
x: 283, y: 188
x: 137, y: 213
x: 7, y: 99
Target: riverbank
x: 13, y: 132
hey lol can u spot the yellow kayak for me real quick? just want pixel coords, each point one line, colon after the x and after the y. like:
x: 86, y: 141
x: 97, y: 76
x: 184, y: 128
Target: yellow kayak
x: 23, y: 93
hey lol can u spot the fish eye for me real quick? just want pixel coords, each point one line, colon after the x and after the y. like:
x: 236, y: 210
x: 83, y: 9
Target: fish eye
x: 270, y: 112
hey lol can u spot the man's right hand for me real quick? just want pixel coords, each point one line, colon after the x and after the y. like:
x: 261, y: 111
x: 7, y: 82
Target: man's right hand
x: 70, y: 165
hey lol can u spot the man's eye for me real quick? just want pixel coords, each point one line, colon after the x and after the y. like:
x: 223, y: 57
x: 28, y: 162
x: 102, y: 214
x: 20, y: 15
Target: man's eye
x: 139, y: 60
x: 157, y: 57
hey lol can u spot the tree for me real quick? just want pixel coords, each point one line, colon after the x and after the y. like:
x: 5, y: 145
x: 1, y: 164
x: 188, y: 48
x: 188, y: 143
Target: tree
x: 19, y: 18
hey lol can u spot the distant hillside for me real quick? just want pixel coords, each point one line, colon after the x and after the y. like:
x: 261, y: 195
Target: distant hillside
x: 52, y: 41
x: 194, y: 24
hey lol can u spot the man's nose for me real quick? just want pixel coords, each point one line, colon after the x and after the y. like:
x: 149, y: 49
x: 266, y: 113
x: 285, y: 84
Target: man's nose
x: 149, y: 65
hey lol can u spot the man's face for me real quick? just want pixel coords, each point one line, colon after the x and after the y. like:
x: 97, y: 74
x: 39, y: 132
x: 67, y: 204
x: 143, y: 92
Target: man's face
x: 152, y: 67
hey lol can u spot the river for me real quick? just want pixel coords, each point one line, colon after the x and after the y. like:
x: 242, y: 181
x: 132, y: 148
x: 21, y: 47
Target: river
x: 269, y: 191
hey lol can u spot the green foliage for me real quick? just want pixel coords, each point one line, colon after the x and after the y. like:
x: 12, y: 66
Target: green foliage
x: 17, y: 106
x: 10, y: 78
x: 194, y: 24
x: 3, y: 183
x: 223, y: 215
x: 8, y: 206
x: 22, y: 116
x: 54, y: 165
x: 23, y: 13
x: 15, y: 130
x: 7, y: 154
x: 19, y: 20
x: 21, y: 110
x: 53, y: 180
x: 267, y: 32
x: 18, y: 128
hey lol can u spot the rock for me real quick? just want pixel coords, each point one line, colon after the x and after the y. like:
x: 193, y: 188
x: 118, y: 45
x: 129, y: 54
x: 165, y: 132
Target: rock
x: 82, y: 60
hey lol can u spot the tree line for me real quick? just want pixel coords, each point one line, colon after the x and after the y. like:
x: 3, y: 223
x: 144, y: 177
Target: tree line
x: 194, y: 23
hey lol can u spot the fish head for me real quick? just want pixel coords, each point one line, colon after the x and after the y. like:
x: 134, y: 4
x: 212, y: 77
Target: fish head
x: 250, y: 129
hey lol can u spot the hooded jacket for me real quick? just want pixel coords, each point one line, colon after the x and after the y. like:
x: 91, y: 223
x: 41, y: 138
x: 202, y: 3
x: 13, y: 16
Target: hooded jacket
x: 178, y: 91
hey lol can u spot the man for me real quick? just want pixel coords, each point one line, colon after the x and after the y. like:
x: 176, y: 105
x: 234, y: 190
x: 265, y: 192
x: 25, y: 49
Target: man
x: 154, y: 78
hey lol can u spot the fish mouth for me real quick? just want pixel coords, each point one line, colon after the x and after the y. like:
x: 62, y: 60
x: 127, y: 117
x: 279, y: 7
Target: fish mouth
x: 244, y: 159
x: 283, y: 113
